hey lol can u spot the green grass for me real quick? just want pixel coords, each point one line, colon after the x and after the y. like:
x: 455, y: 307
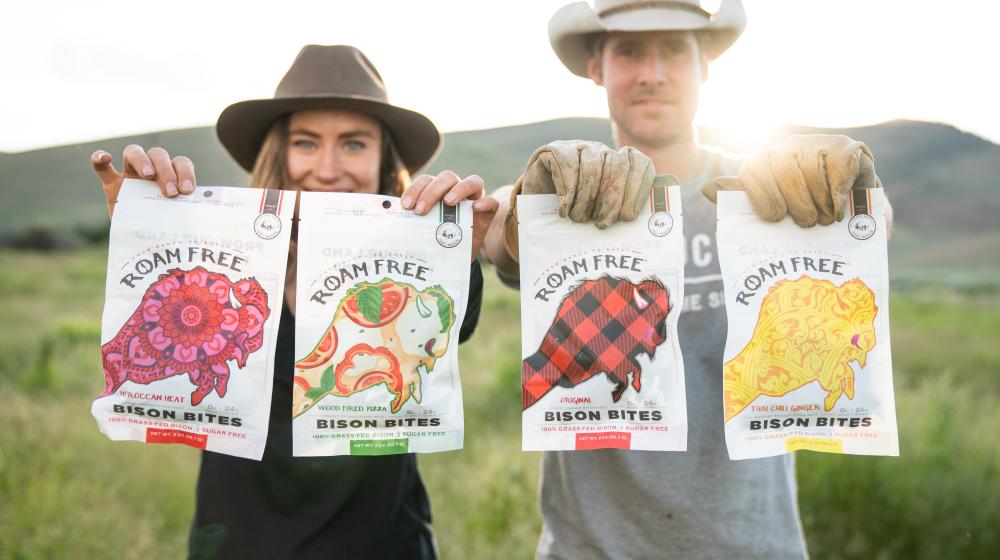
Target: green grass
x: 50, y: 306
x: 66, y: 491
x: 939, y: 499
x: 484, y: 496
x: 938, y: 332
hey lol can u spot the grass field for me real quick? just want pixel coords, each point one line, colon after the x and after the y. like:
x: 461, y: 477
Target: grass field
x: 68, y: 492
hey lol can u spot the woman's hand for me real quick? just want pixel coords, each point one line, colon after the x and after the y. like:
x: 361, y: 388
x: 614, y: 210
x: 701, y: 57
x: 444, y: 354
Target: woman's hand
x: 426, y: 191
x: 175, y: 176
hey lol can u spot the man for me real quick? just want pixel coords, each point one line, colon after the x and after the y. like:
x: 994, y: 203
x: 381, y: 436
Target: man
x: 651, y: 58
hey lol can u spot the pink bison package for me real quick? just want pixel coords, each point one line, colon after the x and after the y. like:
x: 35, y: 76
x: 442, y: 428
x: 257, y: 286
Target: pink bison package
x: 380, y: 296
x: 807, y: 362
x: 193, y: 297
x: 601, y: 364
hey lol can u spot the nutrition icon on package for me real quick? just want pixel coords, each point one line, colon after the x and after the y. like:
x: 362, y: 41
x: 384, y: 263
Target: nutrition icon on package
x: 808, y: 330
x: 381, y: 333
x: 601, y: 326
x: 188, y: 322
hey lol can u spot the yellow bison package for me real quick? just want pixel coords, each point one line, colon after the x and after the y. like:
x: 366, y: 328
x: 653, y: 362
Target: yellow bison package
x: 807, y: 362
x: 379, y: 299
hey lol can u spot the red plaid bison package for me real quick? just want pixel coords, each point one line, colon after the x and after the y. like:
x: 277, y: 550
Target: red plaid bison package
x: 380, y: 296
x: 601, y: 365
x: 193, y: 296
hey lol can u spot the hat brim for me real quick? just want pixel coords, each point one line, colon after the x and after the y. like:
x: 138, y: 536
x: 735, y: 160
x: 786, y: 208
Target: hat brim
x: 571, y: 24
x: 242, y: 126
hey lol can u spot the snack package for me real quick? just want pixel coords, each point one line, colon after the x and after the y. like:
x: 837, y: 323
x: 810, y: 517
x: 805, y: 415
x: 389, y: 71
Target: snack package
x: 193, y: 297
x: 601, y: 364
x: 807, y: 362
x: 380, y: 297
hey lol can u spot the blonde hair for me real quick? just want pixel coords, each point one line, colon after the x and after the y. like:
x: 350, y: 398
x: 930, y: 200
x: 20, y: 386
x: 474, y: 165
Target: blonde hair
x: 270, y: 169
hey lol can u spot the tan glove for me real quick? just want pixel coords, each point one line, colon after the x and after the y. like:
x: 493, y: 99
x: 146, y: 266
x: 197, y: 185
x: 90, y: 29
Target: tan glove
x: 594, y: 183
x: 806, y: 176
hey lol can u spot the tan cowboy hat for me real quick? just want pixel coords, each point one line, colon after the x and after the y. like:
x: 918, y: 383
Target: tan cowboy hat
x: 721, y: 21
x: 327, y: 77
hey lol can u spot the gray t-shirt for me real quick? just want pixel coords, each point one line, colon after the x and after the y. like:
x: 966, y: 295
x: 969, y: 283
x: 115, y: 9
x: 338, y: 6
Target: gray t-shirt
x: 696, y: 504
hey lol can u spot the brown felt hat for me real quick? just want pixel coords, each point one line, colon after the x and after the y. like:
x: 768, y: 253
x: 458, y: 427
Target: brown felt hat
x: 327, y: 77
x: 721, y: 22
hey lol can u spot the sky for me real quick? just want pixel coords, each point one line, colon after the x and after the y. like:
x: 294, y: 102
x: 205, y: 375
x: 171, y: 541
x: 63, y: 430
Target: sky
x: 80, y: 71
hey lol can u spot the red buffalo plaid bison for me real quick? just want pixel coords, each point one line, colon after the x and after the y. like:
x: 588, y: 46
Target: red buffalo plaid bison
x: 189, y: 321
x: 602, y: 326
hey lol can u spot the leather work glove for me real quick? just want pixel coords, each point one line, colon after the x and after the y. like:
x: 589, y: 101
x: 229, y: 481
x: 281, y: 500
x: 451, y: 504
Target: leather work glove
x: 594, y: 183
x: 806, y: 176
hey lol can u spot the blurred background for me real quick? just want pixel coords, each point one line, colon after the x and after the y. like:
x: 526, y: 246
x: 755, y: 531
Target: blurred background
x: 911, y: 79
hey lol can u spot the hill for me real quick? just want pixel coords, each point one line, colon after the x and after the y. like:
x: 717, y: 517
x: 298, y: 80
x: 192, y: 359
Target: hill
x: 942, y: 181
x: 55, y: 187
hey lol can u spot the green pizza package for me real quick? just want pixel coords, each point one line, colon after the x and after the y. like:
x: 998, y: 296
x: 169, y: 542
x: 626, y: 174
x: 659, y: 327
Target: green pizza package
x: 380, y: 297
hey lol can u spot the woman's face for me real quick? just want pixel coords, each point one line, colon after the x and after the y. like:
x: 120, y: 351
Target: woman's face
x: 332, y: 150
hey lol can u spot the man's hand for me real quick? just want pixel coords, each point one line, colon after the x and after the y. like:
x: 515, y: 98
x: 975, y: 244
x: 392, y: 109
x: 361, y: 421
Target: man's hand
x: 594, y: 183
x: 806, y: 176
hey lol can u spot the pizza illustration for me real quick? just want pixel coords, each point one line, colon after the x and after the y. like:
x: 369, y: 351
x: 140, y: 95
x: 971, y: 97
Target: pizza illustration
x: 382, y: 334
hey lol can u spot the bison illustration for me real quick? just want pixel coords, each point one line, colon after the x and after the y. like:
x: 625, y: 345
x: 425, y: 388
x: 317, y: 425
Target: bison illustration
x: 602, y: 326
x: 189, y: 321
x: 808, y: 330
x: 381, y: 333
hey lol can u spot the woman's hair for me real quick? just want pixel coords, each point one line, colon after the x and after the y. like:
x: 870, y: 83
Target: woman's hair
x: 270, y: 169
x: 393, y: 175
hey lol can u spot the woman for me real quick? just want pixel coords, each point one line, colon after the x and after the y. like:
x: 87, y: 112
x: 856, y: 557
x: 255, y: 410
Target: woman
x: 329, y: 128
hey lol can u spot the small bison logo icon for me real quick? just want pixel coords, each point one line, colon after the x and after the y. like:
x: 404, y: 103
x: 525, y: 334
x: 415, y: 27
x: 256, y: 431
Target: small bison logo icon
x: 189, y: 321
x: 602, y: 326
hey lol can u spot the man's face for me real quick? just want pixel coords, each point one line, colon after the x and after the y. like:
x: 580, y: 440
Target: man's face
x: 652, y: 80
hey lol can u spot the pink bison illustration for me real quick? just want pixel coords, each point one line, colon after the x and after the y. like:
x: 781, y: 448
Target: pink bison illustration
x: 189, y: 321
x: 602, y: 326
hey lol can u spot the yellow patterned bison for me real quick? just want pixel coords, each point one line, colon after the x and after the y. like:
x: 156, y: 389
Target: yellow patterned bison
x: 808, y: 330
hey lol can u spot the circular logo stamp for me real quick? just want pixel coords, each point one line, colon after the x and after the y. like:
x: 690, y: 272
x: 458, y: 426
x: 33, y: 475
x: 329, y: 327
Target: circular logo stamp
x: 660, y: 223
x: 448, y: 235
x: 861, y: 226
x: 267, y: 226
